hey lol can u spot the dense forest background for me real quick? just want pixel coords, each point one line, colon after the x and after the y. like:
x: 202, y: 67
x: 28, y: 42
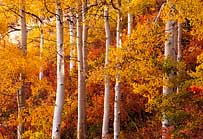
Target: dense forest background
x: 59, y: 60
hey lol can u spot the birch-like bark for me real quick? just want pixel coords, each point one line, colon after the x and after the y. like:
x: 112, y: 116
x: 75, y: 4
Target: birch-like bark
x: 117, y: 85
x: 169, y: 50
x: 72, y: 48
x: 60, y: 73
x: 41, y: 48
x: 21, y: 92
x: 105, y: 126
x: 129, y: 21
x: 169, y: 53
x: 179, y: 50
x: 84, y: 37
x: 81, y: 128
x: 85, y: 66
x: 23, y: 28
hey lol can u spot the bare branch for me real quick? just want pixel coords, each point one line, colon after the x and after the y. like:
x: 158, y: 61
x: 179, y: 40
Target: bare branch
x: 113, y: 5
x: 160, y: 10
x: 34, y: 15
x: 45, y: 5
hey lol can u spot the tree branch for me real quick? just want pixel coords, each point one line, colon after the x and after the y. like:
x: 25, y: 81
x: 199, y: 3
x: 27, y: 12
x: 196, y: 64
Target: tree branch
x: 159, y: 13
x: 113, y: 5
x: 45, y: 5
x: 37, y: 17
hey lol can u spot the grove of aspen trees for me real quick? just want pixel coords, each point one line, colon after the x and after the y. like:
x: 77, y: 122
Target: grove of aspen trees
x: 101, y: 69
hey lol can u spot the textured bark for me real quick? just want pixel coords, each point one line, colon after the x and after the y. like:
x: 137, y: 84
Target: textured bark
x: 82, y: 71
x: 23, y: 28
x: 117, y: 85
x: 84, y: 38
x: 72, y: 48
x: 81, y: 128
x: 169, y: 53
x: 21, y: 92
x: 105, y: 126
x: 60, y: 73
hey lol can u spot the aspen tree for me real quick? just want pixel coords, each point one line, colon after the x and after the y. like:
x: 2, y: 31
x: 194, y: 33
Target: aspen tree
x: 82, y: 32
x: 129, y: 21
x: 21, y: 92
x: 71, y: 34
x: 41, y: 48
x: 72, y: 48
x: 60, y: 73
x: 85, y: 66
x: 169, y: 54
x: 179, y: 45
x: 105, y: 126
x: 117, y: 85
x: 81, y: 129
x: 84, y: 37
x: 179, y: 49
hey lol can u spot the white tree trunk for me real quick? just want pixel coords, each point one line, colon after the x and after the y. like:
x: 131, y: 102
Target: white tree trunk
x: 23, y: 28
x: 84, y: 38
x: 81, y: 128
x: 179, y: 45
x: 105, y: 126
x: 129, y: 21
x: 169, y: 53
x: 179, y: 50
x: 117, y: 85
x: 72, y: 48
x: 21, y: 92
x: 41, y: 48
x: 60, y: 73
x: 85, y: 66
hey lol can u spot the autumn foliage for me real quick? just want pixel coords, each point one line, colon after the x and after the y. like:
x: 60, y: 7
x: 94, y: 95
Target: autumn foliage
x: 140, y: 64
